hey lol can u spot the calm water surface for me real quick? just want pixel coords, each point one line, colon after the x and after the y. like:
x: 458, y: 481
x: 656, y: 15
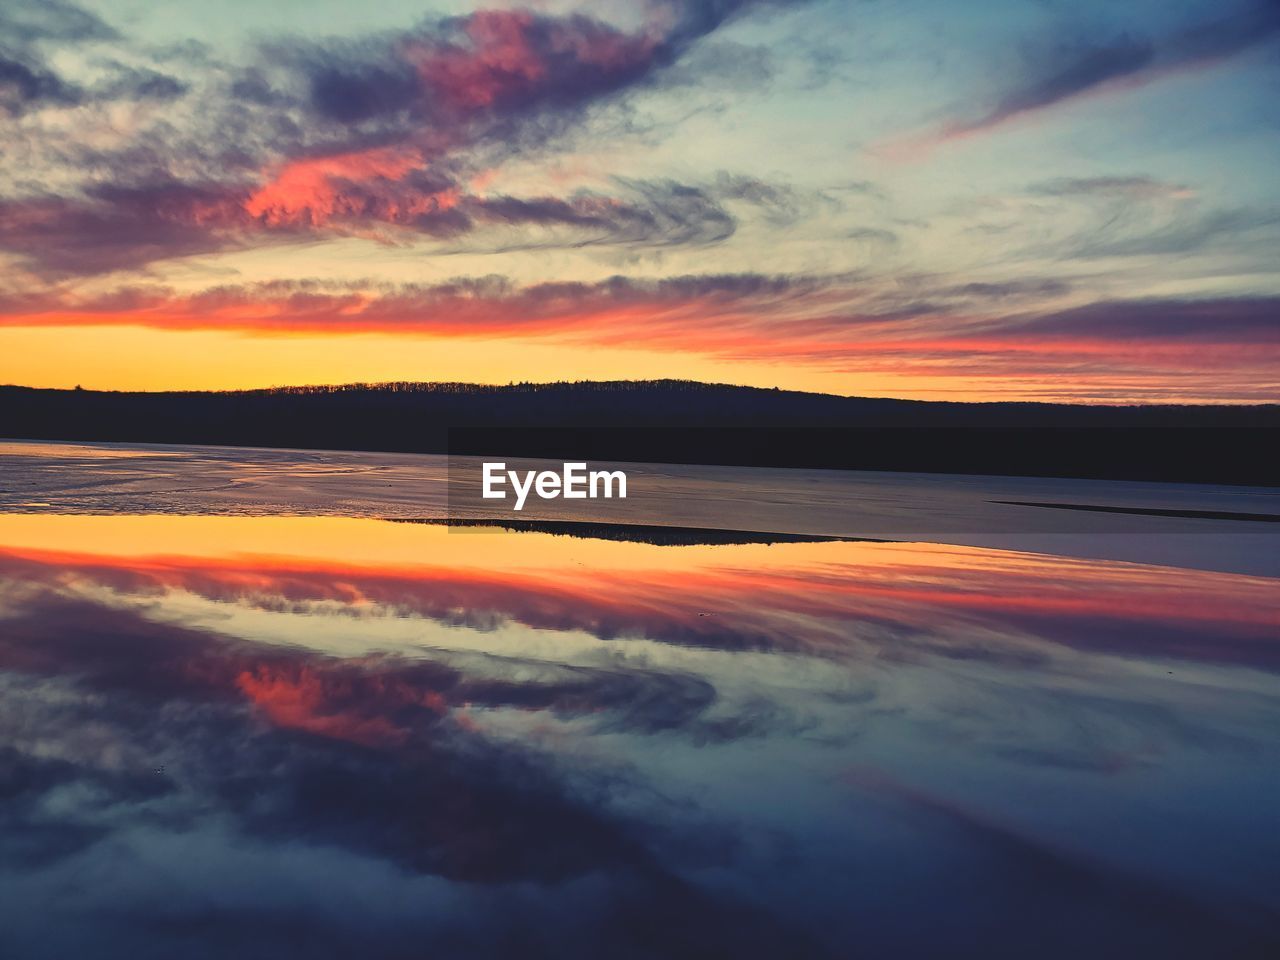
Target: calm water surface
x: 288, y: 736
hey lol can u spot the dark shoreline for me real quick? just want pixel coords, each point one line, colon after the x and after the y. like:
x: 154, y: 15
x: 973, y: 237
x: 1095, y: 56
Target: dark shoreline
x: 651, y: 534
x: 681, y: 423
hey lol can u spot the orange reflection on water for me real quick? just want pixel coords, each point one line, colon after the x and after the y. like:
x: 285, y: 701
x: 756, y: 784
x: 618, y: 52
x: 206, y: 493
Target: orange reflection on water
x: 820, y: 598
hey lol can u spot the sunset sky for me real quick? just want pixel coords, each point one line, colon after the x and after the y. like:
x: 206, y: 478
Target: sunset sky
x: 1019, y: 199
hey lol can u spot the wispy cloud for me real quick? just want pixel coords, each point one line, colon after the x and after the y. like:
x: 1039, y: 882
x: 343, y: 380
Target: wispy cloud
x: 1137, y: 187
x: 388, y: 195
x: 1060, y: 72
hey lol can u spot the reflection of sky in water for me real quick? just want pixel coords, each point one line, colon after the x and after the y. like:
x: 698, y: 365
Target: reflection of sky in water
x: 324, y: 737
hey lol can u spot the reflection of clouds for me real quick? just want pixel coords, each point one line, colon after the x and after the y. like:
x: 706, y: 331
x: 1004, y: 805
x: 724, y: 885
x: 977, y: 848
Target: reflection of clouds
x: 132, y: 727
x: 1110, y: 898
x: 886, y: 600
x: 543, y: 785
x: 376, y: 700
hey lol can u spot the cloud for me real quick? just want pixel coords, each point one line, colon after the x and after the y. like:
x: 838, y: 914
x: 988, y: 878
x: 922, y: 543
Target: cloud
x: 383, y: 195
x: 31, y: 31
x: 1012, y: 289
x: 115, y: 226
x: 874, y: 235
x: 24, y: 86
x: 27, y: 22
x: 1248, y: 322
x: 1078, y: 70
x: 618, y: 307
x: 1182, y: 232
x: 361, y: 91
x: 1139, y: 187
x: 645, y: 213
x: 1065, y: 71
x: 378, y: 136
x: 139, y: 84
x: 781, y: 205
x: 1120, y: 216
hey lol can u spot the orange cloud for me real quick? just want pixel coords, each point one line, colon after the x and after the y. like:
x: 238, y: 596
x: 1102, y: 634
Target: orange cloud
x: 502, y: 61
x: 311, y: 191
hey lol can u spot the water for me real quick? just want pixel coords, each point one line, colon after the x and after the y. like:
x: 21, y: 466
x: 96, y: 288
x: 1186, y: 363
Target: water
x: 938, y: 508
x: 246, y: 717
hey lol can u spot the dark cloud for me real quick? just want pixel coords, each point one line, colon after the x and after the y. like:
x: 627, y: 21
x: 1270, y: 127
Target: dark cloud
x: 1250, y: 23
x: 1079, y: 70
x: 1241, y: 320
x: 1012, y: 289
x: 507, y: 80
x: 1067, y: 70
x: 876, y: 235
x: 30, y: 32
x: 781, y: 205
x: 358, y: 93
x: 660, y: 213
x: 27, y: 22
x: 253, y: 86
x: 28, y: 28
x: 32, y: 839
x: 24, y: 86
x: 115, y: 226
x: 132, y: 83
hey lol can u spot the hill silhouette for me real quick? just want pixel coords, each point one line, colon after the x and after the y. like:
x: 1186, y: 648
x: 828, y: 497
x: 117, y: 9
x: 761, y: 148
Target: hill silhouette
x: 676, y: 421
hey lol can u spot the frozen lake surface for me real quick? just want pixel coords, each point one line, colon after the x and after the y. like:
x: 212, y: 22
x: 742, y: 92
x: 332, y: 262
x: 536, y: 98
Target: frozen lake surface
x: 941, y: 508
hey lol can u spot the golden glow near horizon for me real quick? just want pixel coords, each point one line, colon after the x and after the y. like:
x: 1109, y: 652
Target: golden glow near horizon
x: 137, y: 358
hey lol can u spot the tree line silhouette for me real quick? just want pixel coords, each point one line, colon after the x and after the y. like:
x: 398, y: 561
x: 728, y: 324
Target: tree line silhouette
x: 677, y: 421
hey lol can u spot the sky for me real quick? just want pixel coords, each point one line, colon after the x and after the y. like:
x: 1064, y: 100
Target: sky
x: 1013, y: 200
